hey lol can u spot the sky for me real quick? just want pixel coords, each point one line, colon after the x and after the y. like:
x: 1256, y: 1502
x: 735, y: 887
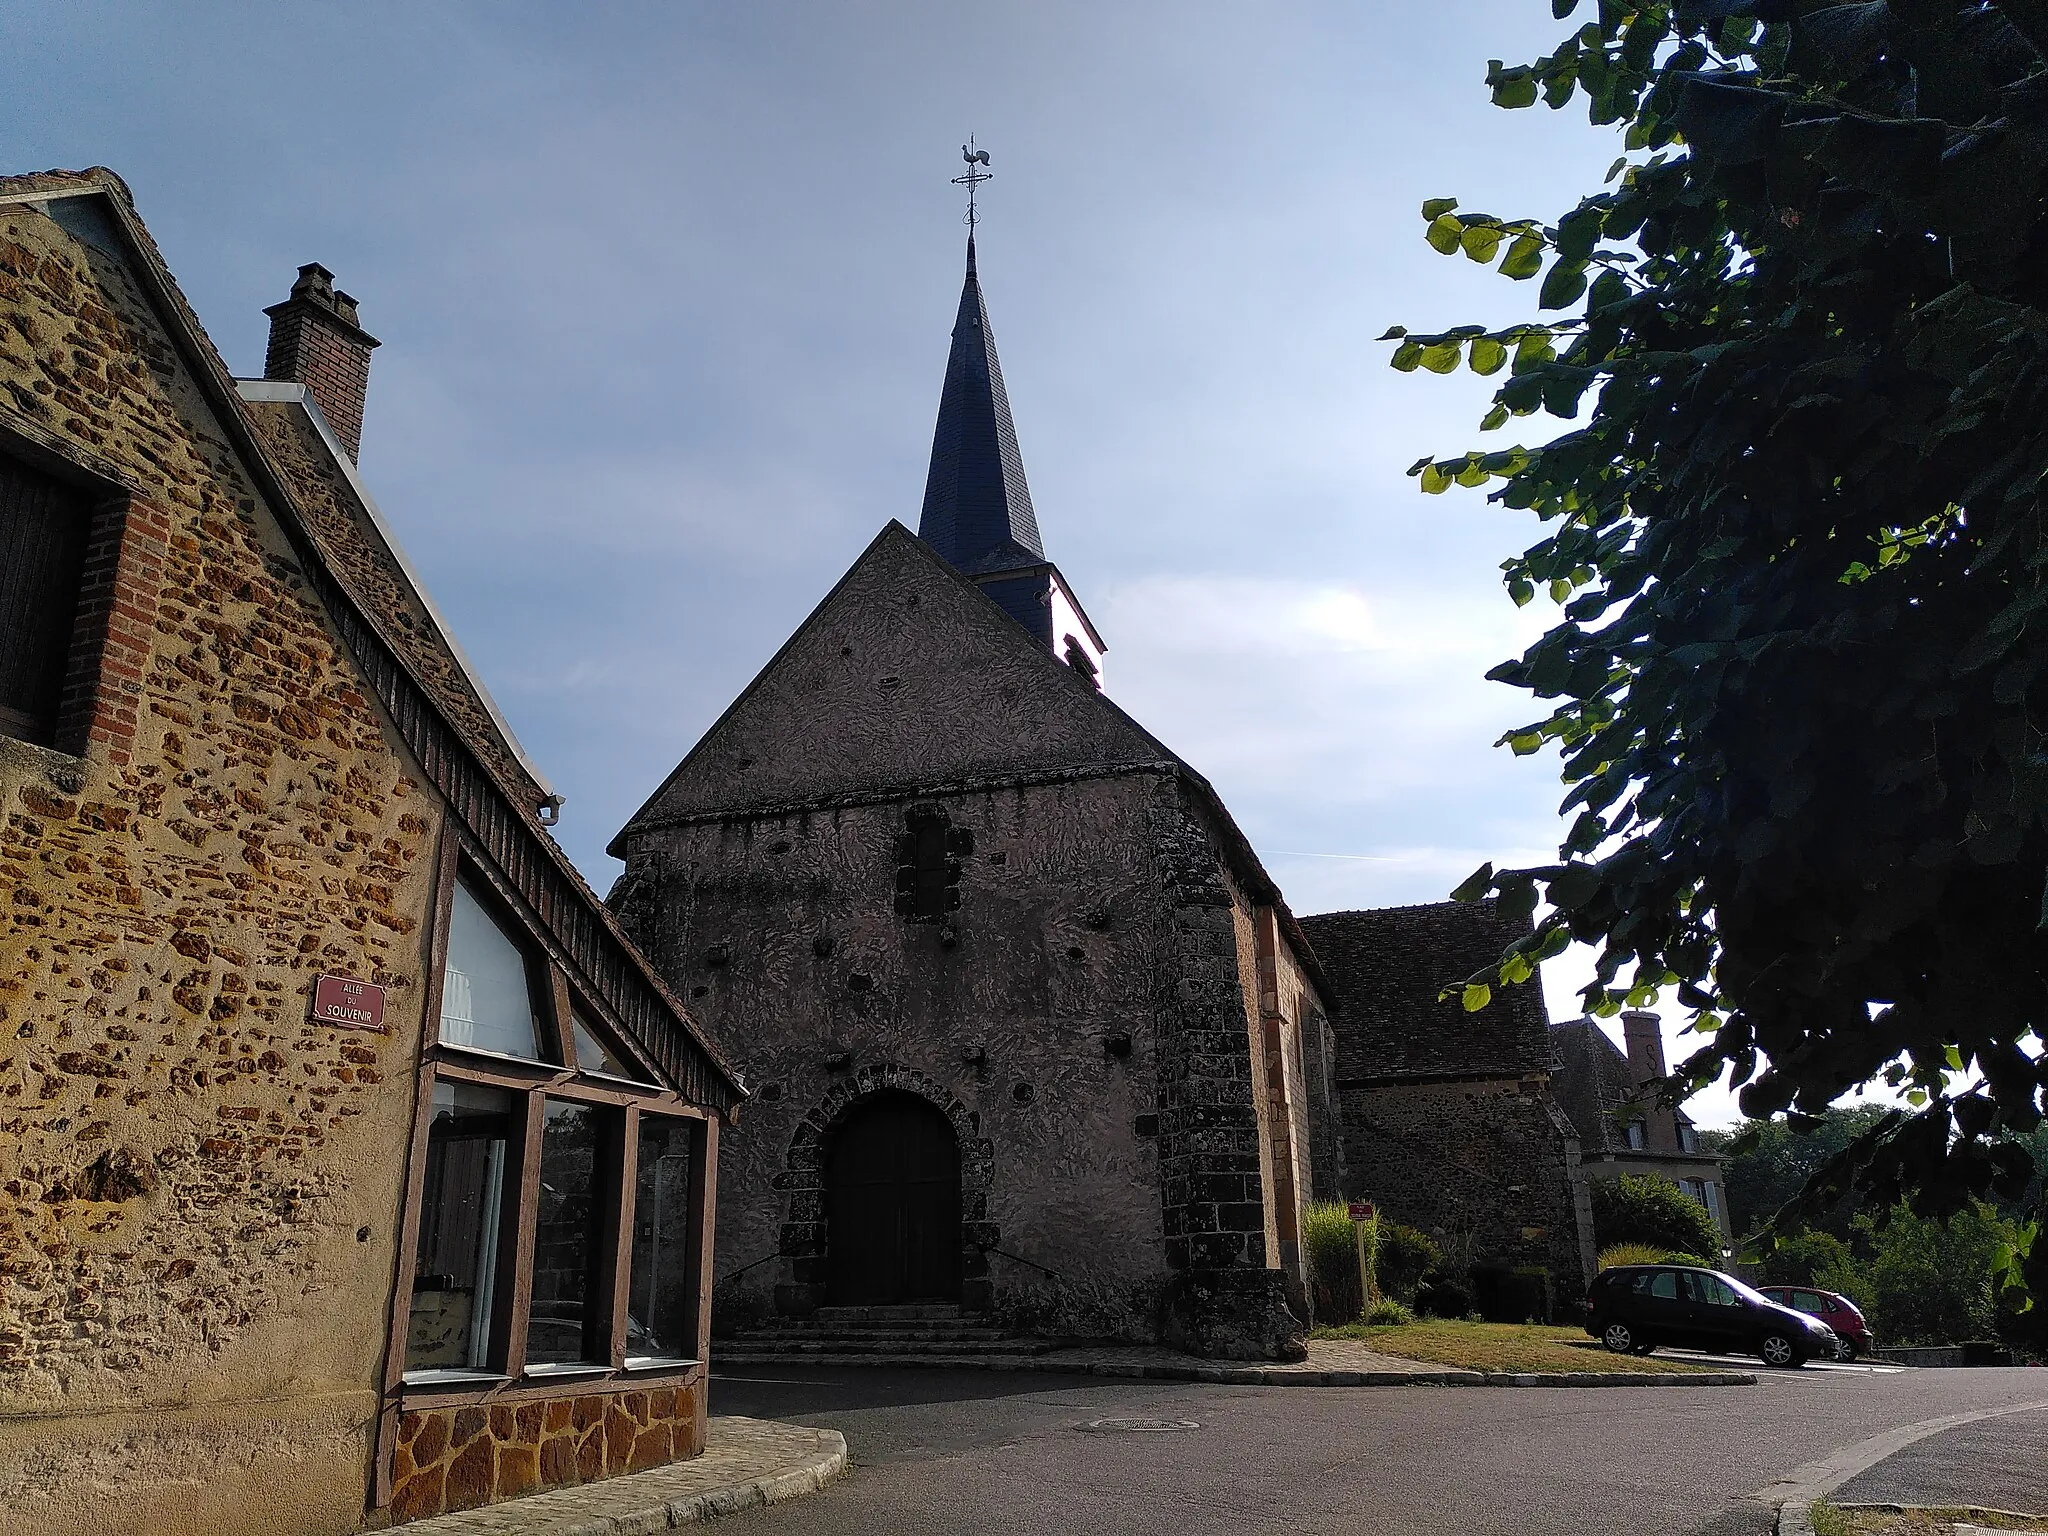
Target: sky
x: 664, y: 292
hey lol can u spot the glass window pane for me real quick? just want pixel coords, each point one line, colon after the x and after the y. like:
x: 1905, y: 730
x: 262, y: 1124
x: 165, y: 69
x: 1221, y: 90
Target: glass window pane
x: 456, y: 1259
x: 593, y: 1055
x: 662, y: 1321
x: 485, y: 1000
x: 566, y: 1320
x: 1664, y: 1284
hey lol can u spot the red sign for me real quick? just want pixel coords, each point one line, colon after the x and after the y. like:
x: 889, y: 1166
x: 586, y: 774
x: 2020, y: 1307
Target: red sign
x: 1362, y: 1210
x: 347, y: 1002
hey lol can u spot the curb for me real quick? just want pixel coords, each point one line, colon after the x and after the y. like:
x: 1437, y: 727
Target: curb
x: 1794, y: 1493
x: 1256, y: 1376
x: 772, y: 1489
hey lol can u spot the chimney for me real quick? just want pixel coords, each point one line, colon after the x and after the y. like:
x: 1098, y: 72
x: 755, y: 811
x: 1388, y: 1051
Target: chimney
x: 1645, y: 1036
x: 1644, y: 1033
x: 315, y: 341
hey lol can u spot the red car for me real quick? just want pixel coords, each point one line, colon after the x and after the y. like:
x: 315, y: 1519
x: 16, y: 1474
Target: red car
x: 1838, y: 1312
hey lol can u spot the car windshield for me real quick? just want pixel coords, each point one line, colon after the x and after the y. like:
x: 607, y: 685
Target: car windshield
x: 1746, y: 1292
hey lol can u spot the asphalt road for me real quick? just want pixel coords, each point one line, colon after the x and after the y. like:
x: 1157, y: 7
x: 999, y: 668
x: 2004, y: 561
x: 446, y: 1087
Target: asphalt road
x: 990, y: 1453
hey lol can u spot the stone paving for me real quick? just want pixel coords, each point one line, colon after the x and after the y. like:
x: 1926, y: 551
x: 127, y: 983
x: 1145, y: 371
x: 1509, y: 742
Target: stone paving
x: 746, y: 1462
x: 1330, y: 1363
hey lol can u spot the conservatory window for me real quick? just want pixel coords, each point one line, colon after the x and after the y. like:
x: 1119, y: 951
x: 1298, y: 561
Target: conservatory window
x: 486, y: 996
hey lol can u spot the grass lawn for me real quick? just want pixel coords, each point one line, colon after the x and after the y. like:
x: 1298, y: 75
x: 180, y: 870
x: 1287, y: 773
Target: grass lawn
x: 1497, y: 1346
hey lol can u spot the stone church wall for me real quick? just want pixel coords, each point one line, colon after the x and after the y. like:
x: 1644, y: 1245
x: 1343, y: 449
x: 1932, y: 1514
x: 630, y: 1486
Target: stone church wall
x: 198, y: 1187
x: 1026, y: 1014
x: 1486, y: 1168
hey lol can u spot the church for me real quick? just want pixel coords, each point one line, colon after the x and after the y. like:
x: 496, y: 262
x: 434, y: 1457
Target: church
x: 1029, y: 1029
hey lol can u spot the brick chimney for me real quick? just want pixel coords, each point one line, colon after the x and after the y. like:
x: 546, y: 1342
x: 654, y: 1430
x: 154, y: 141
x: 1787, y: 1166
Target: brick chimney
x: 1644, y: 1033
x: 315, y: 341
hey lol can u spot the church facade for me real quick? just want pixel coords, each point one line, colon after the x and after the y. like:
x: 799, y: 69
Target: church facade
x: 1028, y: 1027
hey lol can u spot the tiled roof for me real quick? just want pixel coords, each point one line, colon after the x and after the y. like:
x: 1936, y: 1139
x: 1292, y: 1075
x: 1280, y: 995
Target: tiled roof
x: 1389, y: 966
x: 977, y: 508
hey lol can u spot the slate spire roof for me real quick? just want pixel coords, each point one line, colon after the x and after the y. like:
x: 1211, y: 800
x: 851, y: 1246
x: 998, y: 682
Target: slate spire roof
x: 977, y: 508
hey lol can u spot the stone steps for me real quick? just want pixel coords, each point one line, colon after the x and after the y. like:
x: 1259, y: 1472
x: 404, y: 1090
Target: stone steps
x: 858, y: 1334
x: 842, y: 1344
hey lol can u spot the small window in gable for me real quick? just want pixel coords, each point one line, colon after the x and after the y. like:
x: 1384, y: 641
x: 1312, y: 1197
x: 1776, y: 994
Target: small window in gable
x: 486, y: 994
x: 594, y: 1055
x: 928, y: 858
x: 44, y: 526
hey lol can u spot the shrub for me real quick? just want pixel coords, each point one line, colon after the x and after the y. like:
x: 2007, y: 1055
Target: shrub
x: 1330, y: 1243
x: 1649, y: 1208
x: 1405, y: 1256
x: 1389, y: 1313
x: 1630, y: 1253
x: 1441, y: 1296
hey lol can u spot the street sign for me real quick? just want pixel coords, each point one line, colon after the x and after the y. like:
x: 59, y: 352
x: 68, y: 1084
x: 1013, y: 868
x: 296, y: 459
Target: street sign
x: 350, y: 1003
x: 1363, y: 1210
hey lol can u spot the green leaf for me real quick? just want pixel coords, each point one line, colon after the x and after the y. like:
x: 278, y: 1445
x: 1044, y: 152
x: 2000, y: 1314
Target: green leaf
x: 1488, y: 356
x: 1435, y: 481
x: 1473, y: 474
x: 1496, y: 418
x: 1567, y: 280
x: 1524, y: 258
x: 1955, y: 1059
x: 1444, y: 233
x: 1523, y: 592
x: 1517, y: 88
x: 1407, y: 355
x: 1443, y: 357
x: 1437, y: 207
x: 1475, y: 996
x: 1474, y: 885
x: 1481, y: 241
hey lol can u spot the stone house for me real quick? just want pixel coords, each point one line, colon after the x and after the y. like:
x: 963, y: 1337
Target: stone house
x: 351, y: 1152
x: 1621, y: 1126
x: 1030, y: 1030
x: 1448, y: 1120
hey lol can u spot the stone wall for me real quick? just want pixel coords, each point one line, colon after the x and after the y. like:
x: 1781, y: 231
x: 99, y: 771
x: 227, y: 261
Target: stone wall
x: 198, y: 1187
x: 1026, y: 1013
x: 459, y: 1458
x: 1487, y: 1168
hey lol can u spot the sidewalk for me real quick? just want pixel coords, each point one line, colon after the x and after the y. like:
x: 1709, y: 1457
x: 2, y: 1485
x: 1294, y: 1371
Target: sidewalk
x: 1330, y: 1363
x: 745, y: 1462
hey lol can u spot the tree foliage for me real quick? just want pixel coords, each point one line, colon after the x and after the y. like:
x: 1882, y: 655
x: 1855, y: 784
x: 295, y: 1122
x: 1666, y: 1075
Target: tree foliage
x: 1800, y: 682
x: 1649, y: 1208
x: 1766, y: 1163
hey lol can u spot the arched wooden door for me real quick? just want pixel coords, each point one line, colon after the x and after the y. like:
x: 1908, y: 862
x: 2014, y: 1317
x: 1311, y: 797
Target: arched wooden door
x: 892, y: 1204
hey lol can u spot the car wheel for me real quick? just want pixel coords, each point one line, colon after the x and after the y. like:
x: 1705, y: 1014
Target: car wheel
x: 1777, y: 1349
x: 1619, y: 1338
x: 1849, y: 1351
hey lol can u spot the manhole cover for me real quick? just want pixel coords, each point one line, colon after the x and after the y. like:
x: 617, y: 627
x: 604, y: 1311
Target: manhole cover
x: 1137, y: 1426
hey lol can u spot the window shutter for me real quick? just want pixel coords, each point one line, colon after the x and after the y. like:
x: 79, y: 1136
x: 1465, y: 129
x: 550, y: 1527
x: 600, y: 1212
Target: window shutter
x: 43, y: 529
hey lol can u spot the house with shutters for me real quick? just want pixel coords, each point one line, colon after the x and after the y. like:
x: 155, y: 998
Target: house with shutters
x: 1034, y: 1040
x: 349, y: 1149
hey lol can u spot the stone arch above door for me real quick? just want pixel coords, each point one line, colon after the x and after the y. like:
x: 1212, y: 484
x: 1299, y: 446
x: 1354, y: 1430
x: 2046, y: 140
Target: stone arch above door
x: 802, y: 1183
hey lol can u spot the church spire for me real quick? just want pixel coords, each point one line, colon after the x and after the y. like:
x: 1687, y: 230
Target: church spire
x: 977, y: 508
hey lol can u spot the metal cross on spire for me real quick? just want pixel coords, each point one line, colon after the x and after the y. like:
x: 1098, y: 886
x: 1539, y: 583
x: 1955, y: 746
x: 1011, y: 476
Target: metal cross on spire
x: 977, y: 160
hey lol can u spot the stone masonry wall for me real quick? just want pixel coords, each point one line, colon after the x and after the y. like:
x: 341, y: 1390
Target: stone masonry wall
x: 459, y: 1458
x: 1486, y: 1168
x: 1026, y: 1013
x: 1227, y: 1295
x: 198, y: 1188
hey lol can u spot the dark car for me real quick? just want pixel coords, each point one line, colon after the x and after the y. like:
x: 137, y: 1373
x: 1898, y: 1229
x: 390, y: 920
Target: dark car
x: 1633, y: 1308
x: 1832, y: 1308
